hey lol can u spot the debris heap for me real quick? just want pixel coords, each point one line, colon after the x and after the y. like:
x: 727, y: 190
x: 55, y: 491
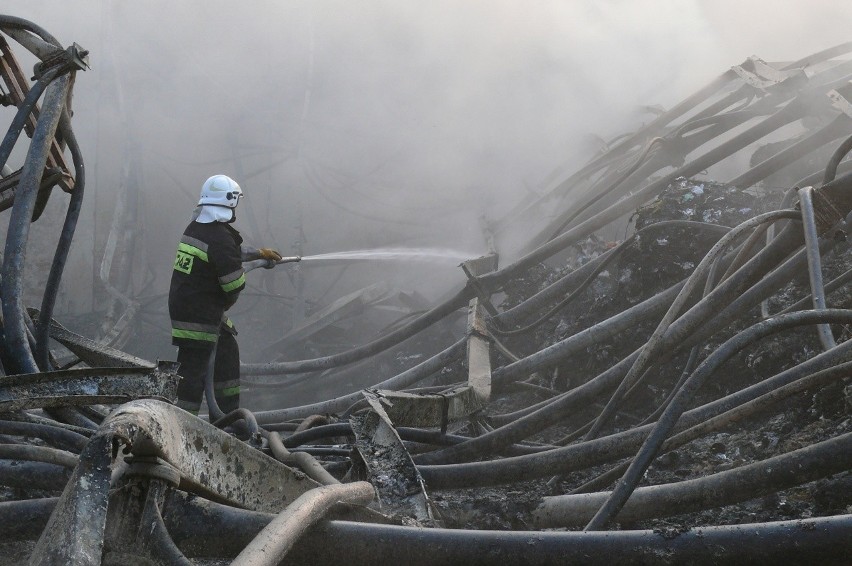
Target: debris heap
x: 677, y: 395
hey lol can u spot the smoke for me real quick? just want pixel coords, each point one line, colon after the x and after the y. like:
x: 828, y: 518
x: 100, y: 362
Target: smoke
x: 379, y: 123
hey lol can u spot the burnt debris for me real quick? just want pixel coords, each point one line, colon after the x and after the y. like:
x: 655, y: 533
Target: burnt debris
x: 667, y: 362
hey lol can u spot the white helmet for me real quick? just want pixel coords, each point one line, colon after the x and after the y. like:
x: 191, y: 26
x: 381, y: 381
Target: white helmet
x: 220, y: 190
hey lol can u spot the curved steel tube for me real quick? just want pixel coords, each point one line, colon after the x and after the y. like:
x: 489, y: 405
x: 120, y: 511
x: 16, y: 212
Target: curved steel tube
x: 273, y: 543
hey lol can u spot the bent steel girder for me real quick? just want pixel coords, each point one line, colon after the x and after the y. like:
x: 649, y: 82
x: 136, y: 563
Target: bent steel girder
x: 91, y: 352
x: 160, y: 381
x: 208, y: 461
x: 399, y: 486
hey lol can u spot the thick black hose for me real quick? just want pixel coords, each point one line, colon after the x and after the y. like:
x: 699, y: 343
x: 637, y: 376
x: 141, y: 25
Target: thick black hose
x: 830, y: 287
x: 656, y: 127
x: 529, y: 424
x: 824, y: 540
x: 835, y: 129
x: 653, y: 345
x: 33, y: 475
x: 676, y: 145
x: 785, y: 115
x: 812, y: 245
x: 602, y: 331
x: 790, y: 270
x: 43, y: 454
x: 240, y: 414
x: 677, y: 406
x: 159, y: 544
x: 433, y: 437
x: 56, y: 436
x: 25, y: 519
x: 774, y: 474
x: 738, y: 413
x: 306, y: 462
x: 599, y: 266
x: 679, y: 331
x: 613, y: 447
x: 213, y: 409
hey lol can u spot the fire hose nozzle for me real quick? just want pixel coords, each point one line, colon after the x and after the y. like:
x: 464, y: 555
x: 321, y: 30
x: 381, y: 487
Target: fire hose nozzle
x: 290, y: 259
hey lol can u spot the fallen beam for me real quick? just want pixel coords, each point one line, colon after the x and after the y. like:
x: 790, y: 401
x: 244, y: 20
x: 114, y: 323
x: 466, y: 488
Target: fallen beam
x: 91, y: 352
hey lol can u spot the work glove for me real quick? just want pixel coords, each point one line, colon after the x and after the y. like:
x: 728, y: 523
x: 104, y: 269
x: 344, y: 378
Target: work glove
x: 270, y: 255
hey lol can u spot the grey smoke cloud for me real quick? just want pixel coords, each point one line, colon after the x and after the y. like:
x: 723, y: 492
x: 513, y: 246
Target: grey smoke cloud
x: 384, y: 123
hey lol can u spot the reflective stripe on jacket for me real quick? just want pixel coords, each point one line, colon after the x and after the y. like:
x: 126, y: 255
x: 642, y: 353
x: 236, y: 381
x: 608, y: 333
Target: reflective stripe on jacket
x: 207, y: 279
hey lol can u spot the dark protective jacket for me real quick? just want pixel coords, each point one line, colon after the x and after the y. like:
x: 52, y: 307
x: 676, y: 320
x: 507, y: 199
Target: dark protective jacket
x: 207, y: 278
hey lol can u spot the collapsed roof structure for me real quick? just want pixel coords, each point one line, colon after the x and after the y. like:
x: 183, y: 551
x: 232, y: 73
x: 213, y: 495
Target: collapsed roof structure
x: 561, y: 410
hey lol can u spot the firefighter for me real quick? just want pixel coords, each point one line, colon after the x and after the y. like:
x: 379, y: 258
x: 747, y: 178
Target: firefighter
x: 206, y: 281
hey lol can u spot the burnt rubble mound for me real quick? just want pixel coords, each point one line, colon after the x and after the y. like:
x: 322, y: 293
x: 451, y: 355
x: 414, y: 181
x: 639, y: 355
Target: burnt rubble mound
x: 660, y: 375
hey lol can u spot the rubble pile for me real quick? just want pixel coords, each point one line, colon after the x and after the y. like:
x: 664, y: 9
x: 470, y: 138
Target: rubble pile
x: 679, y: 395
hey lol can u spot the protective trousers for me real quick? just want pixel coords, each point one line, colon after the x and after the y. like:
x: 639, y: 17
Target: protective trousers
x: 194, y: 362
